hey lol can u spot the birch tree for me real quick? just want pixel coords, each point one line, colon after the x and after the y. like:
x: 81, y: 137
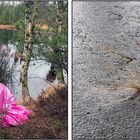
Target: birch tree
x: 59, y: 69
x: 30, y: 18
x: 56, y: 40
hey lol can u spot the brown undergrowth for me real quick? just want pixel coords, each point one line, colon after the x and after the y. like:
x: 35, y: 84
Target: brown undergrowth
x: 48, y: 120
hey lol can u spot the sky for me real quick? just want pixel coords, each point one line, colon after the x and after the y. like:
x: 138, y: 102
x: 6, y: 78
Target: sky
x: 11, y: 2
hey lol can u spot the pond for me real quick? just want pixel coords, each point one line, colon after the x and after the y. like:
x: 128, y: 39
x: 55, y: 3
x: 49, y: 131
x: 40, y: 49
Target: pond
x: 37, y: 73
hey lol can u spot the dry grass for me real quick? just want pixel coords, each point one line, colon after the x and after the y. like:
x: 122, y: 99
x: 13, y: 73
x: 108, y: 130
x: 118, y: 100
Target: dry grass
x: 48, y: 120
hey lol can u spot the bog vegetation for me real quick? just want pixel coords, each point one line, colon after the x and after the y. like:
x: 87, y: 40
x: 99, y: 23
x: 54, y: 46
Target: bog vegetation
x: 38, y: 31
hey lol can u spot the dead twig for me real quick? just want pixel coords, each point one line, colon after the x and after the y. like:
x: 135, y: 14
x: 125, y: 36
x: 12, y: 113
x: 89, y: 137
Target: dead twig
x: 119, y: 15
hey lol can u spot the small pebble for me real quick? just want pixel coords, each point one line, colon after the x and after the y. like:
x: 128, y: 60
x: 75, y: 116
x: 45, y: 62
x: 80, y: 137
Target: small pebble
x: 88, y: 113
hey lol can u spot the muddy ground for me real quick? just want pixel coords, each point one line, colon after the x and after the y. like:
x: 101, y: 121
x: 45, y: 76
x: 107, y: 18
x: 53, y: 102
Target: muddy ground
x: 106, y: 70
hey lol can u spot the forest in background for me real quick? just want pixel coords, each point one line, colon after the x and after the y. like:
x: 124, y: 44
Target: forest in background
x: 51, y: 41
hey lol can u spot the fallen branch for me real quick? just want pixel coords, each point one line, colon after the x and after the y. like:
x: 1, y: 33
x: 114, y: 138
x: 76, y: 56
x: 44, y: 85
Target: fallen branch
x: 113, y: 13
x: 122, y: 55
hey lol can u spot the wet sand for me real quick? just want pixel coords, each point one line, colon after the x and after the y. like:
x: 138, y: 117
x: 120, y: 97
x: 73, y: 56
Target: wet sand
x: 106, y: 68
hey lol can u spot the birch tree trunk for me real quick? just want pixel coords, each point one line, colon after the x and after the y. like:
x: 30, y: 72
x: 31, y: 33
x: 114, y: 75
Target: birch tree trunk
x: 59, y: 70
x: 28, y: 47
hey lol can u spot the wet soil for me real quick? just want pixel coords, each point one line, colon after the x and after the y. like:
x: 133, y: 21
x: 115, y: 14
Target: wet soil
x: 106, y: 66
